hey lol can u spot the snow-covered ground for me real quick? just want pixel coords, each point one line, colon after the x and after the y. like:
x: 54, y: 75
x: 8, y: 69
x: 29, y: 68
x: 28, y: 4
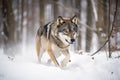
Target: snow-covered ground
x: 24, y: 66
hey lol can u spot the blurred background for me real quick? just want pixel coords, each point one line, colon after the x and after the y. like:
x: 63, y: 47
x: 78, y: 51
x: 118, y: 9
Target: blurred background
x: 20, y: 19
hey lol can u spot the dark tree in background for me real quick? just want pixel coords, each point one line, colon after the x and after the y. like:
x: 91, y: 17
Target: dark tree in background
x: 8, y: 24
x: 42, y: 11
x: 56, y: 8
x: 89, y: 22
x: 78, y: 44
x: 1, y: 25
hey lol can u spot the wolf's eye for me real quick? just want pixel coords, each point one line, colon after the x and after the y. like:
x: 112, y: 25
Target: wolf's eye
x: 73, y: 32
x: 65, y: 32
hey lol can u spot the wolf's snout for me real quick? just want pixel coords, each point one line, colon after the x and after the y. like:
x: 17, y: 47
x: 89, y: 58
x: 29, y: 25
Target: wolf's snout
x: 72, y: 40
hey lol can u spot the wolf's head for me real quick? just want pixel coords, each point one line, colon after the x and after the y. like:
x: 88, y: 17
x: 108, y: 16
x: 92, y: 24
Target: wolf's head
x: 67, y: 29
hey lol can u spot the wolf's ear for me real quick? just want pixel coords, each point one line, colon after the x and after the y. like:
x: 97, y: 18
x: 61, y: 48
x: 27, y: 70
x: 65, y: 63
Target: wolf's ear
x: 74, y: 19
x: 60, y: 20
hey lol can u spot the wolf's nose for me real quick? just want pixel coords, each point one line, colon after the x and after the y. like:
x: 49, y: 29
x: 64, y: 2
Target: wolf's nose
x: 72, y: 40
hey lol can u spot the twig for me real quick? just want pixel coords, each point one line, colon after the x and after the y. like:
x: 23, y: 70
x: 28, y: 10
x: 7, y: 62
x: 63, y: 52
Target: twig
x: 83, y: 24
x: 100, y: 48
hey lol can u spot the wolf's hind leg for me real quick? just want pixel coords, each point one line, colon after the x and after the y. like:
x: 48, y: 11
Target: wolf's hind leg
x: 41, y: 54
x: 38, y: 45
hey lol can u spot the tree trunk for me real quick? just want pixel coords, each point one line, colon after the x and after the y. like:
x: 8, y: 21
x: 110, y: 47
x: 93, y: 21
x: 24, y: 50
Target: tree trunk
x: 78, y: 42
x: 9, y: 24
x: 55, y: 8
x: 1, y: 26
x: 30, y: 26
x: 42, y: 12
x: 100, y: 23
x: 89, y: 22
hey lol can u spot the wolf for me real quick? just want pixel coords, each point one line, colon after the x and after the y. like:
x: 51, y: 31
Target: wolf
x: 55, y: 38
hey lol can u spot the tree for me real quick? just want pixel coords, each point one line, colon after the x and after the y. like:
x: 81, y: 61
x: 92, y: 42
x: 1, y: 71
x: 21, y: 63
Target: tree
x: 1, y: 25
x: 78, y: 42
x: 55, y: 8
x: 89, y: 22
x: 42, y: 11
x: 8, y: 24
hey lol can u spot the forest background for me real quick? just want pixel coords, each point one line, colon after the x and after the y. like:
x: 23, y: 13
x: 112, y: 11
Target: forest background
x: 20, y: 19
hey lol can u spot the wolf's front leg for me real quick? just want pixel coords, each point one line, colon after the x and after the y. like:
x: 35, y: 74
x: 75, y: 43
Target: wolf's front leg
x: 52, y: 56
x: 66, y: 59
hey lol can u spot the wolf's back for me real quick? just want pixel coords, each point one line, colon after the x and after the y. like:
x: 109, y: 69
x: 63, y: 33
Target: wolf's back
x: 42, y: 30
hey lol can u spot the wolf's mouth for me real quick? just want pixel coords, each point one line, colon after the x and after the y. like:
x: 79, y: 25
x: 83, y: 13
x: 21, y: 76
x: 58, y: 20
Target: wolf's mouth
x: 68, y: 41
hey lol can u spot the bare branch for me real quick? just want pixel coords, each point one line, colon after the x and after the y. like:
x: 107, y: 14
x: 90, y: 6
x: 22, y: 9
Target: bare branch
x: 83, y: 24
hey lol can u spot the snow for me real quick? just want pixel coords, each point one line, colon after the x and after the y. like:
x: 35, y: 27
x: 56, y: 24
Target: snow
x: 24, y: 66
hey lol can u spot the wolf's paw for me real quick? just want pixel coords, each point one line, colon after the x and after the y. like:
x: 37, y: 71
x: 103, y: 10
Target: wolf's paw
x: 63, y: 64
x: 49, y: 61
